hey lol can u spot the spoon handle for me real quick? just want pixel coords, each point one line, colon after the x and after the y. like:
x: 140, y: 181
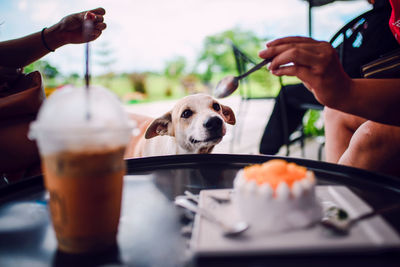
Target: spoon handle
x: 228, y: 230
x: 256, y: 67
x: 192, y: 196
x: 190, y: 206
x: 375, y: 212
x: 343, y: 228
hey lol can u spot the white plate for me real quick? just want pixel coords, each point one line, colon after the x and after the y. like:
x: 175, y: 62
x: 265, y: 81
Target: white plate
x: 372, y: 233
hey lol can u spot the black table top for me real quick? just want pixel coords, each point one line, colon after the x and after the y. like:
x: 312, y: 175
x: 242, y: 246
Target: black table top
x: 150, y: 231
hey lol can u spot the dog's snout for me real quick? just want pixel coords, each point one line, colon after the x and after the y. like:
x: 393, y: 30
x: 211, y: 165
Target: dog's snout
x: 213, y: 123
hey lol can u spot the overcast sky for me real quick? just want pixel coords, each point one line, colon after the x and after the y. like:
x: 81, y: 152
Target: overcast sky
x: 143, y: 34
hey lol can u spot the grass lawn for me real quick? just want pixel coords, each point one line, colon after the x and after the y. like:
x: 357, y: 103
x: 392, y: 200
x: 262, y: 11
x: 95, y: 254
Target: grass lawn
x: 159, y: 87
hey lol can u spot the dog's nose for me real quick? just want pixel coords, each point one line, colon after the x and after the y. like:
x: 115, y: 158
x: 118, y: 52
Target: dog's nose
x: 213, y: 123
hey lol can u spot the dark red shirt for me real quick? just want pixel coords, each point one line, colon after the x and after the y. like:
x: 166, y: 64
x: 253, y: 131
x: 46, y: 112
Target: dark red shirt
x: 394, y: 21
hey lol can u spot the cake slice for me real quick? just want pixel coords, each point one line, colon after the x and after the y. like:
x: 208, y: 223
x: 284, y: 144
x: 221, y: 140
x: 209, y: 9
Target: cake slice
x: 276, y: 196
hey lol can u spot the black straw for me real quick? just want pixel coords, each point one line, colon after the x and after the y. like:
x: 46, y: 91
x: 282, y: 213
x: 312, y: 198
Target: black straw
x: 87, y: 29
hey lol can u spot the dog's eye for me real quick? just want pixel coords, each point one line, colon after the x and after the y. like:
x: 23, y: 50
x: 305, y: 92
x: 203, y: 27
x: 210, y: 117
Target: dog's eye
x: 216, y: 107
x: 186, y: 113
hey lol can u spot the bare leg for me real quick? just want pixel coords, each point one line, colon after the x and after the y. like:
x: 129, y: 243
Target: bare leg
x: 339, y: 128
x: 374, y: 146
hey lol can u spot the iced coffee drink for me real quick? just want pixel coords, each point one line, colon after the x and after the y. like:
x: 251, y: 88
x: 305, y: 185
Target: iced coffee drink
x: 83, y: 168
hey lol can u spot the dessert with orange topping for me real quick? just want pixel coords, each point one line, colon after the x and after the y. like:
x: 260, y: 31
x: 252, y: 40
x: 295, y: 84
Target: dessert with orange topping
x: 276, y: 195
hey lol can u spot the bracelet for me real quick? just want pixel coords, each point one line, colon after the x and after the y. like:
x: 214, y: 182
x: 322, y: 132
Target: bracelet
x: 44, y: 41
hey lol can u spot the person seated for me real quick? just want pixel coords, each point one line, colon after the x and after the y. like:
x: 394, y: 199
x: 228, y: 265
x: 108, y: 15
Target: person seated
x: 355, y: 141
x: 362, y: 122
x: 377, y: 39
x: 19, y: 156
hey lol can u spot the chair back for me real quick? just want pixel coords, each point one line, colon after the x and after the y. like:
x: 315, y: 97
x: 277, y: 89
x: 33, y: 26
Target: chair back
x: 364, y: 39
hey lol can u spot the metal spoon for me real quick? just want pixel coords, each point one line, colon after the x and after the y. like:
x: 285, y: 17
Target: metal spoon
x: 195, y: 198
x: 191, y: 196
x: 229, y: 84
x: 228, y: 230
x: 341, y: 224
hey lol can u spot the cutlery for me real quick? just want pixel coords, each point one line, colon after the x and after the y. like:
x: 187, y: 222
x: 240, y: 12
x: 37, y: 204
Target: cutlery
x: 191, y: 196
x: 341, y: 224
x: 87, y: 30
x: 219, y: 200
x: 230, y: 83
x: 229, y: 230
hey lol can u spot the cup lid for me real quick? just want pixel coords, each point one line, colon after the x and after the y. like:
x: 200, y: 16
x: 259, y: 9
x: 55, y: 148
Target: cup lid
x: 66, y: 110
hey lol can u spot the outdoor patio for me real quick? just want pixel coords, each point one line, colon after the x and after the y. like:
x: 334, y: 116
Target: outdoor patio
x: 244, y: 137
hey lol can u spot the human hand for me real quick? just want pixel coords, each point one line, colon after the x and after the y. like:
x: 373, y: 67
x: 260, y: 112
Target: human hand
x: 70, y: 29
x: 315, y: 63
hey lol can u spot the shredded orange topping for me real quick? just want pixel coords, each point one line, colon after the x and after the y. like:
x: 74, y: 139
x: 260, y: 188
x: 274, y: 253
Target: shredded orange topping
x: 274, y: 172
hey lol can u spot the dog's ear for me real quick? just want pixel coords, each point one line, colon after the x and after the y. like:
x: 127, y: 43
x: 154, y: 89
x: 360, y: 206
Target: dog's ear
x: 228, y: 115
x: 159, y: 126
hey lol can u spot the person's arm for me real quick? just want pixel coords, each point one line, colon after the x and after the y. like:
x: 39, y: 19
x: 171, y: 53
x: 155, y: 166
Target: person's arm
x: 23, y: 51
x: 375, y: 99
x: 317, y: 65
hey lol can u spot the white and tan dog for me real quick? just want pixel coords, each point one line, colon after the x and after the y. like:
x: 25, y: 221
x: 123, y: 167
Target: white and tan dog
x: 194, y: 125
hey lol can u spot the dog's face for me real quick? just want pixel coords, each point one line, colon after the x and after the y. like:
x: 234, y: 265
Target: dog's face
x: 197, y: 122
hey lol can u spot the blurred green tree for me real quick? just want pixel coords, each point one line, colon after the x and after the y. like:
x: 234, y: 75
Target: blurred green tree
x: 174, y: 70
x: 216, y: 55
x: 175, y: 67
x: 44, y: 67
x: 104, y: 56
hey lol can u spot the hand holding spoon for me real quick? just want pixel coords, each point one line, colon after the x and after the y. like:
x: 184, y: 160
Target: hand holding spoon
x: 229, y: 84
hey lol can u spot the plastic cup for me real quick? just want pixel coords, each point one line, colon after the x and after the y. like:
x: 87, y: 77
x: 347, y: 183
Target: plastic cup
x: 83, y: 165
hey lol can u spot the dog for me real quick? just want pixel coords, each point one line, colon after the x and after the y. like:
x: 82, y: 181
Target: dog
x: 194, y: 125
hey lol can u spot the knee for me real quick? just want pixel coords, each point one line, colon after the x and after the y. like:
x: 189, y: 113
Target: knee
x: 332, y: 115
x: 338, y: 120
x: 366, y: 140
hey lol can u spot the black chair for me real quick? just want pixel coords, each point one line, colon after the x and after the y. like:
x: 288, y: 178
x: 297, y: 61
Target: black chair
x: 298, y: 135
x: 243, y: 63
x: 346, y: 41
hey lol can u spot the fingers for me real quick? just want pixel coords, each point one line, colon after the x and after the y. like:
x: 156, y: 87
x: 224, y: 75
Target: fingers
x: 300, y: 55
x: 279, y: 45
x: 92, y: 16
x: 292, y: 39
x: 293, y: 70
x: 95, y: 34
x: 100, y: 26
x: 301, y: 72
x: 99, y: 18
x: 315, y: 55
x: 98, y: 11
x: 96, y: 15
x: 89, y: 15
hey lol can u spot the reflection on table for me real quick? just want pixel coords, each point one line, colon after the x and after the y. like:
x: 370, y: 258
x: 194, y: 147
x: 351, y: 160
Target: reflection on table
x: 153, y: 232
